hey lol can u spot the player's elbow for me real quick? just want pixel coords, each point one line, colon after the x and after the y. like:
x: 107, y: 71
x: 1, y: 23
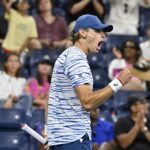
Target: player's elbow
x: 88, y: 106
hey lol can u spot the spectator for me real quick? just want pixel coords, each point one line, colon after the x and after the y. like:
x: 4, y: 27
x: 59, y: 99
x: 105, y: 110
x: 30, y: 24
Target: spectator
x: 102, y: 131
x: 130, y: 56
x: 22, y: 28
x: 39, y: 86
x: 52, y: 30
x: 124, y: 15
x: 77, y: 8
x: 12, y: 85
x: 133, y: 131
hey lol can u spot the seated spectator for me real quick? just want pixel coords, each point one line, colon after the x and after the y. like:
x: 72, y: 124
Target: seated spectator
x: 124, y: 16
x: 129, y: 56
x: 133, y: 131
x: 22, y: 28
x: 52, y: 30
x: 39, y: 85
x: 12, y: 85
x: 102, y: 132
x: 77, y: 8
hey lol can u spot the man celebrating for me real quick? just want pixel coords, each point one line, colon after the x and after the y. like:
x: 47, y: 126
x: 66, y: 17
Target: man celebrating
x: 71, y: 94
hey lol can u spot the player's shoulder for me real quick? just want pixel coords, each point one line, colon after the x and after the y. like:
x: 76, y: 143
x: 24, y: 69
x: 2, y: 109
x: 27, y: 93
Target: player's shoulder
x: 72, y: 53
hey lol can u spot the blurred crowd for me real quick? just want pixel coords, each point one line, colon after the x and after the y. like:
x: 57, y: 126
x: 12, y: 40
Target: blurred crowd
x: 34, y: 32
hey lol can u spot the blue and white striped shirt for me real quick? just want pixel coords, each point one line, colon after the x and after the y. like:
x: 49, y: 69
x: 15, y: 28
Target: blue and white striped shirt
x: 68, y: 120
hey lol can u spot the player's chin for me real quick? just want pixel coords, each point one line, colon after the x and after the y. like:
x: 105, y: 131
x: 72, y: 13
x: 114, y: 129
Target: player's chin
x: 97, y: 50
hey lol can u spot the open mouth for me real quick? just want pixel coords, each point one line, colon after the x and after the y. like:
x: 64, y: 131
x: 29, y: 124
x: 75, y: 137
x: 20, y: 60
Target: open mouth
x: 100, y: 45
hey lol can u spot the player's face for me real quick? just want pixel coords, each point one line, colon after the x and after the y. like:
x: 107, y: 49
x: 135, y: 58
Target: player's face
x: 95, y: 38
x: 12, y: 64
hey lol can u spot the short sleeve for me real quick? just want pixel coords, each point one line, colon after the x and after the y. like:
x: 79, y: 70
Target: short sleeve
x: 78, y: 70
x: 121, y: 127
x: 10, y: 14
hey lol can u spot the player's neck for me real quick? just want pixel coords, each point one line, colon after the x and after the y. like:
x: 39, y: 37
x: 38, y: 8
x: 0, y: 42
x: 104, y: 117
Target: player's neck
x: 82, y: 46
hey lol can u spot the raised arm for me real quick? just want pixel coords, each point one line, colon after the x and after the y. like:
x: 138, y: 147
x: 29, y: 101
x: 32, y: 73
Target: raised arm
x: 7, y: 4
x: 90, y: 99
x: 79, y: 6
x: 98, y: 7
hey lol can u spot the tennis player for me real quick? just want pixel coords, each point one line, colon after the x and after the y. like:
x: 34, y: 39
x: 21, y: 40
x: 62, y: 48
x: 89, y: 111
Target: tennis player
x: 71, y: 94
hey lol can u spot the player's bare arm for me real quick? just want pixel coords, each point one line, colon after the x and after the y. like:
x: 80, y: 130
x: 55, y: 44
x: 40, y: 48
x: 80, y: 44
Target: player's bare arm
x: 90, y: 99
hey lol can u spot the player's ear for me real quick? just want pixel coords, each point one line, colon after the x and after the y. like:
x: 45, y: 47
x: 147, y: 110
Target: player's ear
x: 83, y: 33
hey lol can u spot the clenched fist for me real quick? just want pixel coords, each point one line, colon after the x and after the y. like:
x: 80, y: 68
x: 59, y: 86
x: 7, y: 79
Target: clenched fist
x: 125, y: 76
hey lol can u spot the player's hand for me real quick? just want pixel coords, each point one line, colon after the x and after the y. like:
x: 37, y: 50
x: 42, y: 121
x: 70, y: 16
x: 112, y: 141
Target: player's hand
x: 46, y: 147
x: 125, y: 76
x: 44, y: 133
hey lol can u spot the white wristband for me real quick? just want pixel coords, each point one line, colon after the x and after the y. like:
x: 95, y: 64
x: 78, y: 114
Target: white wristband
x: 115, y: 85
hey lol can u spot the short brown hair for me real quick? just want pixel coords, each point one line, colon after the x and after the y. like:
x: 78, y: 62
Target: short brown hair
x: 74, y: 37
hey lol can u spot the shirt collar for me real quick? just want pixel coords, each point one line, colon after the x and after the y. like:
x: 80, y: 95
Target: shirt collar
x: 83, y: 54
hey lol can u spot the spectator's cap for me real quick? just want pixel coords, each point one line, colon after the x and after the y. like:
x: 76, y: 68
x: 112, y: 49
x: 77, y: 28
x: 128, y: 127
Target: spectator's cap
x: 133, y: 99
x: 45, y: 60
x: 91, y: 21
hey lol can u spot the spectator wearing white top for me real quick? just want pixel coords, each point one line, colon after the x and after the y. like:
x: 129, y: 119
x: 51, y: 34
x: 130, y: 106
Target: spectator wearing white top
x: 124, y: 16
x: 131, y: 56
x: 12, y: 85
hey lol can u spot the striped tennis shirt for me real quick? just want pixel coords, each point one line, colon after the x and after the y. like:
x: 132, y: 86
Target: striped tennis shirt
x: 68, y: 120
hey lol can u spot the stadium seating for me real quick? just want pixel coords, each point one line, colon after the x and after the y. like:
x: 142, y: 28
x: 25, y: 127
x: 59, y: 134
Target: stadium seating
x: 37, y: 117
x: 100, y: 77
x: 144, y: 20
x: 97, y: 60
x: 12, y: 118
x: 36, y: 55
x: 117, y: 40
x: 13, y: 141
x: 108, y: 105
